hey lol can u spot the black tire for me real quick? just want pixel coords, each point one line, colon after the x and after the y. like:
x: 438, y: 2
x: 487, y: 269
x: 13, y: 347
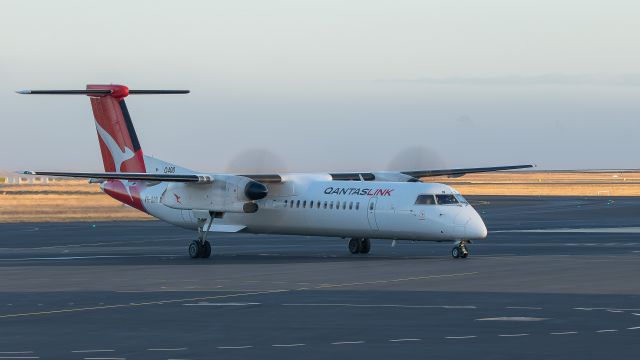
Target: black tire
x: 455, y: 252
x: 195, y: 249
x: 206, y: 250
x: 354, y: 246
x: 365, y: 246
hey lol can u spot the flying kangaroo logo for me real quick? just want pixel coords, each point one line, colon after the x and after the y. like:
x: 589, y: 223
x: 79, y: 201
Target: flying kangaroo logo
x: 177, y: 198
x: 117, y: 155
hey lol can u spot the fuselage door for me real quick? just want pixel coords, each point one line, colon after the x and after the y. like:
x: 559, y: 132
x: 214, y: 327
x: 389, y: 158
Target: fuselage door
x: 371, y: 213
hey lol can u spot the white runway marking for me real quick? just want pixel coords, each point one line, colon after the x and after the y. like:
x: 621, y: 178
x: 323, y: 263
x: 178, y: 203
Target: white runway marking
x: 19, y: 357
x: 220, y: 304
x: 87, y: 257
x: 634, y: 328
x: 606, y: 331
x: 103, y: 358
x: 235, y: 347
x: 618, y: 230
x: 564, y: 333
x: 401, y: 340
x: 174, y: 349
x: 512, y: 318
x: 347, y: 342
x: 90, y: 351
x: 513, y: 335
x: 461, y: 337
x: 16, y: 352
x: 524, y: 307
x: 392, y: 305
x: 288, y: 345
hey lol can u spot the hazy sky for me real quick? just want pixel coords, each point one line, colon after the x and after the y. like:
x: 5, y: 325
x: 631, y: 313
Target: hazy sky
x: 329, y: 85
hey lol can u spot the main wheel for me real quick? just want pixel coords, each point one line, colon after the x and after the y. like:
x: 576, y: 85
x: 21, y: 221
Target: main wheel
x: 195, y: 249
x: 365, y: 246
x: 455, y: 252
x: 206, y: 253
x: 354, y: 245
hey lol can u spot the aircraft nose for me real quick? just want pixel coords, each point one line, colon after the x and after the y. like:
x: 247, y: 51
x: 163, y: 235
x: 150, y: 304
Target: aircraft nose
x: 476, y: 228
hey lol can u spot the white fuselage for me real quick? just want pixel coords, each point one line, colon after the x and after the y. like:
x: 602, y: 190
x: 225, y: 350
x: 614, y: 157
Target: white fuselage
x: 308, y: 204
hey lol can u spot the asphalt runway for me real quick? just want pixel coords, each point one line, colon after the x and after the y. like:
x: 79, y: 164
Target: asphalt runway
x: 557, y: 278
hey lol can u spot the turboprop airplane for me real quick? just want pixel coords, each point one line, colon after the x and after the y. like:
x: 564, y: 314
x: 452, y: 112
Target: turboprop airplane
x: 357, y: 205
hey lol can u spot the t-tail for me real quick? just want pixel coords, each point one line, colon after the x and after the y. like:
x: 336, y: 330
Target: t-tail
x: 119, y: 145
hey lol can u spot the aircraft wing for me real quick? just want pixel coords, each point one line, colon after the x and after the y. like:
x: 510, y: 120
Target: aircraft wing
x: 191, y: 178
x: 399, y: 175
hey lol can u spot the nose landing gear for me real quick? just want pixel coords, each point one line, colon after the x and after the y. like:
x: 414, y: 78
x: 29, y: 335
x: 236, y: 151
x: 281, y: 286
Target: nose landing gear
x: 359, y: 246
x: 460, y: 251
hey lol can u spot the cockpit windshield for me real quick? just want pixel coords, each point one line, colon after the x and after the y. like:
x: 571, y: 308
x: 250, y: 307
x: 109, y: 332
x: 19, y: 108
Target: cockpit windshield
x: 446, y: 199
x: 461, y: 199
x: 425, y: 200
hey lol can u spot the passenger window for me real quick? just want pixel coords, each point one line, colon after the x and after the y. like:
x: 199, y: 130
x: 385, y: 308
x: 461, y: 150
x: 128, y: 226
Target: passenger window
x: 351, y: 205
x: 344, y: 205
x: 318, y: 204
x: 446, y: 199
x: 371, y: 206
x: 286, y: 203
x: 331, y: 205
x: 325, y: 204
x: 425, y: 200
x: 298, y: 204
x: 292, y: 204
x: 304, y: 204
x: 311, y: 205
x: 357, y: 206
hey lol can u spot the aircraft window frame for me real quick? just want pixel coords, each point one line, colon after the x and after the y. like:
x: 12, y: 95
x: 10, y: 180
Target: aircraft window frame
x: 461, y: 199
x: 422, y: 199
x: 449, y: 198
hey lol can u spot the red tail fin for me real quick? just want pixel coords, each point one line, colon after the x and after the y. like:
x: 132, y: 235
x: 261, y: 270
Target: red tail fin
x: 119, y: 143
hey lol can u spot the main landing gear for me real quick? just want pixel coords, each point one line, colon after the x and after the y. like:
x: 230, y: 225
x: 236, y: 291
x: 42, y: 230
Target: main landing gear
x: 460, y: 251
x: 201, y: 248
x: 359, y: 246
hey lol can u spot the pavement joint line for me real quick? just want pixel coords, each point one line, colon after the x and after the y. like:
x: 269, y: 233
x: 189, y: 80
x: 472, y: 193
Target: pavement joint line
x: 173, y: 301
x: 347, y: 342
x: 457, y: 307
x: 564, y: 333
x: 513, y: 335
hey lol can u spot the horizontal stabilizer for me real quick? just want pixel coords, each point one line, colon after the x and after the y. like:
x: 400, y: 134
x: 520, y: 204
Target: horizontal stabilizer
x: 189, y: 178
x: 98, y: 92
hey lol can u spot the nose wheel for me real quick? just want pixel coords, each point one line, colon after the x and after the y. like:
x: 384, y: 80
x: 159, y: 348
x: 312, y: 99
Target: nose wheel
x: 460, y: 251
x: 359, y: 246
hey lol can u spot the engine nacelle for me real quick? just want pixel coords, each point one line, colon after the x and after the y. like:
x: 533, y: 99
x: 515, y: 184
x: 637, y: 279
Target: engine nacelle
x: 227, y: 193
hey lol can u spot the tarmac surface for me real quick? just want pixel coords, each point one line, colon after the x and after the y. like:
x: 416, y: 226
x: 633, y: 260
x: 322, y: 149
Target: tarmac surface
x: 557, y: 278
